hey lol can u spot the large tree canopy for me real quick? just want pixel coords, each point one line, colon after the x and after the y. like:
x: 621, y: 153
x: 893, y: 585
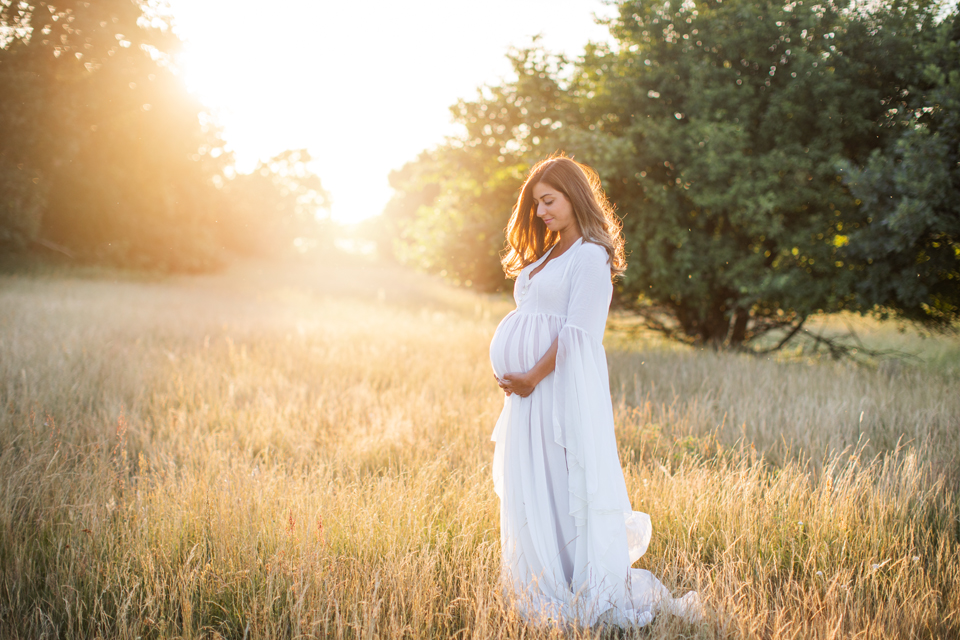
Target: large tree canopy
x: 101, y: 142
x: 731, y: 135
x: 105, y: 155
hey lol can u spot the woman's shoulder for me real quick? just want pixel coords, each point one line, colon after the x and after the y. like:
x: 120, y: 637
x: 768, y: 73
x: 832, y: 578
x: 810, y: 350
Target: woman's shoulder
x: 592, y: 253
x: 590, y: 264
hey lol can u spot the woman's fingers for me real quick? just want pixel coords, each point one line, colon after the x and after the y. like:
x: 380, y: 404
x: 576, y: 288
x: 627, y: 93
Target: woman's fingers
x: 503, y: 384
x: 513, y: 383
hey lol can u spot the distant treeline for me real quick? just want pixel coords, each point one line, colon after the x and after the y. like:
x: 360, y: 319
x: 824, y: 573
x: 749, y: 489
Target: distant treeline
x: 105, y: 156
x: 770, y: 160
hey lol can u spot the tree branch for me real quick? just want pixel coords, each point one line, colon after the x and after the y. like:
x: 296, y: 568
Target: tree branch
x: 786, y: 338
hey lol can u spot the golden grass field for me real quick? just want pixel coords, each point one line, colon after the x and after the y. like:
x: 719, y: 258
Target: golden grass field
x: 303, y: 451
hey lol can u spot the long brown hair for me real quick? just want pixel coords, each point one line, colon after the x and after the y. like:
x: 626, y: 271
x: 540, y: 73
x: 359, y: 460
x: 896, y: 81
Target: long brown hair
x: 528, y: 237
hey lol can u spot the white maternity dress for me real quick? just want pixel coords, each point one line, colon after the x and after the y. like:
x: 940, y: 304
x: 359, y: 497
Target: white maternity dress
x: 568, y: 534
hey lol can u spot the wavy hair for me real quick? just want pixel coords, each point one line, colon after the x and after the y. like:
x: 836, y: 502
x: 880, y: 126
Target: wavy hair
x: 528, y: 237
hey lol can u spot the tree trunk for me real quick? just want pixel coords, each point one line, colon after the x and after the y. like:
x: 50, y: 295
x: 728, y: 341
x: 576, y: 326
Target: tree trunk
x: 738, y: 330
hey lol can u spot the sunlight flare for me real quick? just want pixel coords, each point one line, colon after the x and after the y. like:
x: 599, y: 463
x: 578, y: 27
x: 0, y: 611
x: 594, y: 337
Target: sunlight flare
x: 364, y: 88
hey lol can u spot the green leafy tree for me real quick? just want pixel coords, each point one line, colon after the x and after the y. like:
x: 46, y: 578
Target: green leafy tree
x: 103, y: 150
x: 43, y: 50
x: 727, y: 122
x: 909, y: 256
x: 137, y: 187
x: 727, y: 134
x: 452, y: 204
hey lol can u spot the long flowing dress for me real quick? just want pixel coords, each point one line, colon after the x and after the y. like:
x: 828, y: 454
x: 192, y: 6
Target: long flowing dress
x: 568, y: 533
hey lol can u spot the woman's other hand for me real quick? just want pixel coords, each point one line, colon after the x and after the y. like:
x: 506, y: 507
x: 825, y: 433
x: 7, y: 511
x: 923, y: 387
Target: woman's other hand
x: 521, y: 384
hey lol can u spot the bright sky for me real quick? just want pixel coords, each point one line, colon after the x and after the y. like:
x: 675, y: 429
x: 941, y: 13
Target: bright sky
x: 364, y: 86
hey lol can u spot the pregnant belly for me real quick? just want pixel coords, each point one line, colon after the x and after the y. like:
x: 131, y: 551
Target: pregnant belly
x: 521, y: 340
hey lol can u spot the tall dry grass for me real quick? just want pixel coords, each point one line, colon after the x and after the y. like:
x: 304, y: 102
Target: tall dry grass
x: 304, y: 452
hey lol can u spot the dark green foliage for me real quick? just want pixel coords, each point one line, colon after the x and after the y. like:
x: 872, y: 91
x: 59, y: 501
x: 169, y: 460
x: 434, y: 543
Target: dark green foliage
x: 910, y: 254
x: 727, y: 134
x: 737, y: 114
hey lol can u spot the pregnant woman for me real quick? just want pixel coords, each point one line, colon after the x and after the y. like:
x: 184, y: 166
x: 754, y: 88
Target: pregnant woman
x: 567, y: 531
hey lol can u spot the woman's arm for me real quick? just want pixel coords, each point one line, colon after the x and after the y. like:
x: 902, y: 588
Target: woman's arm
x: 523, y: 384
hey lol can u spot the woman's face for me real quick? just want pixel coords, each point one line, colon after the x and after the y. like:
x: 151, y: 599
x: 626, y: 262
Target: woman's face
x: 554, y: 209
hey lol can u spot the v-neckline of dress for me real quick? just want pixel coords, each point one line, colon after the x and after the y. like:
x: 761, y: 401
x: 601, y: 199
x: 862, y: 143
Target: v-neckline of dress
x: 544, y: 257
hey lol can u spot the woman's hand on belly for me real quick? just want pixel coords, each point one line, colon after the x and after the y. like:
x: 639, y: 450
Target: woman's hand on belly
x: 501, y: 383
x: 521, y: 384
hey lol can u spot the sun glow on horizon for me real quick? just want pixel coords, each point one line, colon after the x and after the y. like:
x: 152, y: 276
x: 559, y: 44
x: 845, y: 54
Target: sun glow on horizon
x: 364, y: 88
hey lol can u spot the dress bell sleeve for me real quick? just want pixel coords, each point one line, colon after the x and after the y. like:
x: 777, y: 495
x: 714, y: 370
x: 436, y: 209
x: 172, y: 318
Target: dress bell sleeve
x: 583, y: 425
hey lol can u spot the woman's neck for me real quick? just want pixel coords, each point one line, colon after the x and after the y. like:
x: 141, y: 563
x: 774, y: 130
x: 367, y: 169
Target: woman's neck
x: 567, y: 240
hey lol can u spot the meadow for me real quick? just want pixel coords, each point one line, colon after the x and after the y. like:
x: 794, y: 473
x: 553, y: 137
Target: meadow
x: 302, y: 450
